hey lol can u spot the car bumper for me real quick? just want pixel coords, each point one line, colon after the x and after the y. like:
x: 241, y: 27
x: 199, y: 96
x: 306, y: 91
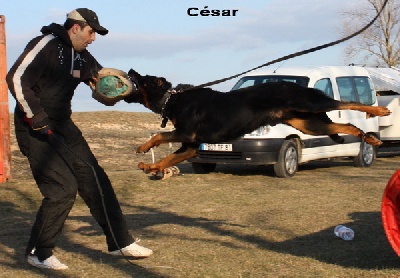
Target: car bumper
x: 245, y: 151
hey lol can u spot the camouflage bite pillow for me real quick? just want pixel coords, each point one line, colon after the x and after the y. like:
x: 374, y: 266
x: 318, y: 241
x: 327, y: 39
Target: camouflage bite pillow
x: 112, y: 85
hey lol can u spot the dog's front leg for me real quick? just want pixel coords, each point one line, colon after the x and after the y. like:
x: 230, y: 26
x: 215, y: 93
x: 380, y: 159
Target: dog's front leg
x: 184, y: 153
x: 155, y: 141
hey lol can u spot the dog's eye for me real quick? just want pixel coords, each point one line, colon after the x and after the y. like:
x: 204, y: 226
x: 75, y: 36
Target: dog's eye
x: 159, y: 82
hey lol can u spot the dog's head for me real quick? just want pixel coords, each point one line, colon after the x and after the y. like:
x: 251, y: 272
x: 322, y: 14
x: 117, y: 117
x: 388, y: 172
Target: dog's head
x: 150, y: 90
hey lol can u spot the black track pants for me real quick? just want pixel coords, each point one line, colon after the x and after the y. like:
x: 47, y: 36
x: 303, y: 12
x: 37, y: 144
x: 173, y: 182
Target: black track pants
x: 59, y: 175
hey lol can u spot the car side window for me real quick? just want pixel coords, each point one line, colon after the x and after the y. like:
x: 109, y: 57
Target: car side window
x: 347, y: 90
x: 356, y: 88
x: 325, y: 85
x: 365, y: 90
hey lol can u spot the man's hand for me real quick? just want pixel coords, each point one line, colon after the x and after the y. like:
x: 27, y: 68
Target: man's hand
x: 40, y: 123
x: 45, y: 130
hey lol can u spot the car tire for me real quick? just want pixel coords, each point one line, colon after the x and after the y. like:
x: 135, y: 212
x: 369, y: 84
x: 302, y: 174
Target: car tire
x: 366, y: 156
x: 203, y: 168
x: 288, y: 160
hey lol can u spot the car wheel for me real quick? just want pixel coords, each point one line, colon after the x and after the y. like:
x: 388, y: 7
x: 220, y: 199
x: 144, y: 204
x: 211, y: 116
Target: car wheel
x: 203, y: 168
x: 288, y: 160
x: 366, y: 156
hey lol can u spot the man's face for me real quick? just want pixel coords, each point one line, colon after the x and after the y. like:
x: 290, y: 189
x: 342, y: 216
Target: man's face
x: 81, y: 38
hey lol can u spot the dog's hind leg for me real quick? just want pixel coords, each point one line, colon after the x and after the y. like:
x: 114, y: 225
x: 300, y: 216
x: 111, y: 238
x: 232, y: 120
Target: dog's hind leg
x: 318, y: 127
x: 182, y: 154
x: 370, y: 110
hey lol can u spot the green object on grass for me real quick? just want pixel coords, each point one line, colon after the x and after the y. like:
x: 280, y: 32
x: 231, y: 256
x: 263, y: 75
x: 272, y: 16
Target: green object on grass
x: 112, y: 86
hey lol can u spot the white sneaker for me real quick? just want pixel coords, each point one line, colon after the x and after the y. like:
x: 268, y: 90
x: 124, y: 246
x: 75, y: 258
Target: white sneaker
x: 133, y: 250
x: 50, y: 263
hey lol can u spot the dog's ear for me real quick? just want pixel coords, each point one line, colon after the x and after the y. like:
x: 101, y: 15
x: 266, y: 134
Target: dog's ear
x: 183, y: 87
x: 163, y: 83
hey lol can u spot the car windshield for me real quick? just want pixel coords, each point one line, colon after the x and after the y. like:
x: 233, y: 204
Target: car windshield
x: 248, y: 81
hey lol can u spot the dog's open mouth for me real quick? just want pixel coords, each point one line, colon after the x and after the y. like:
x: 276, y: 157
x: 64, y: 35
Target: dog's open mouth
x: 134, y: 81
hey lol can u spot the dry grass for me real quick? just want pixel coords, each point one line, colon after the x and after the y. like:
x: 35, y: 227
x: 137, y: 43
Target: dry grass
x: 237, y: 222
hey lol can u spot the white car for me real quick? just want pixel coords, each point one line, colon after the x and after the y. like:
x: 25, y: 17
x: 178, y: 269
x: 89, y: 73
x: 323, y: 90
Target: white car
x: 284, y: 146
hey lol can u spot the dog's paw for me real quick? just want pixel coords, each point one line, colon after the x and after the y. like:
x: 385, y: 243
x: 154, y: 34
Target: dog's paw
x: 149, y: 168
x: 142, y: 149
x: 383, y: 111
x: 144, y: 167
x: 372, y: 140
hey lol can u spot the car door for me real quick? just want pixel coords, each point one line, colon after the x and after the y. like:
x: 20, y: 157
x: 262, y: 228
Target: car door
x: 324, y: 144
x: 357, y: 89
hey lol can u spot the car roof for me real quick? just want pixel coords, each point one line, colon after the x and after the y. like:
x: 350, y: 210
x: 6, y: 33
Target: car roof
x: 313, y: 71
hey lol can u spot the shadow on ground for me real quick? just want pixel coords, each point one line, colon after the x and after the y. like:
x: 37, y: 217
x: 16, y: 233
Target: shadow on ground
x: 369, y: 250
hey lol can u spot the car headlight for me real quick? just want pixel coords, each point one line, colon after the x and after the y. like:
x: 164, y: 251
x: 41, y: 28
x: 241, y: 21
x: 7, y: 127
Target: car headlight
x: 261, y: 131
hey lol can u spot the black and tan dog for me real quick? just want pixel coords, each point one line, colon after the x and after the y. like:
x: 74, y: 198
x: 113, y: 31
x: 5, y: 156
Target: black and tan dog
x: 208, y: 116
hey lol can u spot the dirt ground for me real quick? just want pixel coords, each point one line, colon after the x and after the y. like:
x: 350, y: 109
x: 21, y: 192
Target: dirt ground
x: 237, y: 222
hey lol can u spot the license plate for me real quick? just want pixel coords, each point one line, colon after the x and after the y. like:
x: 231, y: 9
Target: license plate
x: 216, y: 147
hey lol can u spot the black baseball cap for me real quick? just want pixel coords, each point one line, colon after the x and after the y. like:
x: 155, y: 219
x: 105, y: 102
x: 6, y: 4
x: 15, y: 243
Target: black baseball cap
x: 90, y: 17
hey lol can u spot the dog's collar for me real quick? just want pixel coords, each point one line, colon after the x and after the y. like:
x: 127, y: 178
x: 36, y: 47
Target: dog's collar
x: 163, y: 113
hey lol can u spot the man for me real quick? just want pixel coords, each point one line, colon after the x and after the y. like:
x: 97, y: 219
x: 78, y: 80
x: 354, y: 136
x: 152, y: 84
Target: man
x: 43, y: 80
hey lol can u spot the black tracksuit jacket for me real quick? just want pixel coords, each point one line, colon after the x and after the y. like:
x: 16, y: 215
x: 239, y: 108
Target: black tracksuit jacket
x: 43, y: 80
